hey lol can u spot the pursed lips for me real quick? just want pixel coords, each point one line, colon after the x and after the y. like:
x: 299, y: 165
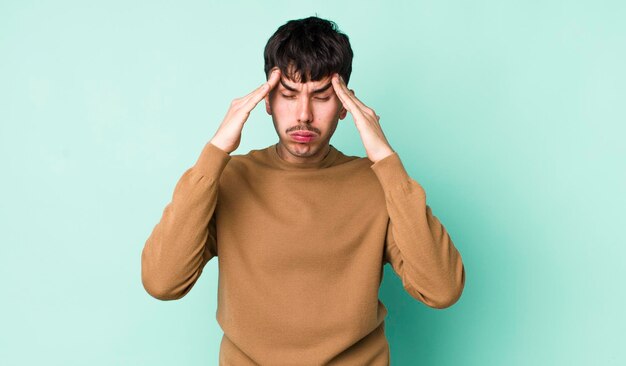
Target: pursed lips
x: 303, y: 133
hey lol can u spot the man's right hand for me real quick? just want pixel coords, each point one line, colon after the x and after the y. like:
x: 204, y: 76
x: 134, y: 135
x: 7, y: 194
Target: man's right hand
x: 228, y: 134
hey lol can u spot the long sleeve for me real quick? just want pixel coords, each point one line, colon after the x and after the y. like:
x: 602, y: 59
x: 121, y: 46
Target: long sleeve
x: 184, y: 239
x: 417, y: 245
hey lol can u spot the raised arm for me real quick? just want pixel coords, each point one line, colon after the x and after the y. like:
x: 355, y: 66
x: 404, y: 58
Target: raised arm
x: 184, y: 239
x: 418, y: 246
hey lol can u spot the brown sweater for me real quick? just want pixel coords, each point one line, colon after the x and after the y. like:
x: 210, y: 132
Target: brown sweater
x: 301, y: 249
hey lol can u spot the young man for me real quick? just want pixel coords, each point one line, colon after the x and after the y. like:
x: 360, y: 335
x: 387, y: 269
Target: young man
x: 302, y: 231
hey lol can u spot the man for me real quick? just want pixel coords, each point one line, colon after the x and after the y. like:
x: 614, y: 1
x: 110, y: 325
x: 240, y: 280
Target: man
x: 302, y: 231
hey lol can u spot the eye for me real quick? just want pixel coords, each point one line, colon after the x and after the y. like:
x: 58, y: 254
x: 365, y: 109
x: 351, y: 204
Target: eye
x: 322, y: 98
x: 288, y: 96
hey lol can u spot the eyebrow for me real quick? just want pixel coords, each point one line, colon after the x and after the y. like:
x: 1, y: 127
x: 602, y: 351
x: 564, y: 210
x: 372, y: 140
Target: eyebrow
x: 319, y: 90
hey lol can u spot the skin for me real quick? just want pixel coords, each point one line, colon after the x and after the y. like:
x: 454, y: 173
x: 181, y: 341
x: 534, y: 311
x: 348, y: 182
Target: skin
x: 366, y: 120
x: 301, y: 106
x: 312, y: 106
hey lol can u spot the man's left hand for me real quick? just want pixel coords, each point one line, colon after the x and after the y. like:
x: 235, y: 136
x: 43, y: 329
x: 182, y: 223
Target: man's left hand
x: 366, y: 121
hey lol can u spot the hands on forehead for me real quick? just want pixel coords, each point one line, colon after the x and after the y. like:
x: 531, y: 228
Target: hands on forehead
x: 228, y: 135
x: 366, y: 120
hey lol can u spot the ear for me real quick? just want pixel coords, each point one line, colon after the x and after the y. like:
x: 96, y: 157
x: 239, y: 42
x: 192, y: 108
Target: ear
x: 342, y: 113
x: 268, y: 109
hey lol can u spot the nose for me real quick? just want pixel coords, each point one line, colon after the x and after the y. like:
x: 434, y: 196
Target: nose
x: 305, y: 114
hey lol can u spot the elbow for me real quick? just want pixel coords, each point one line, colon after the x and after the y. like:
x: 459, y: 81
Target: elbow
x: 160, y: 287
x: 444, y: 302
x: 452, y: 294
x: 441, y: 295
x: 160, y: 291
x: 157, y: 282
x: 166, y: 283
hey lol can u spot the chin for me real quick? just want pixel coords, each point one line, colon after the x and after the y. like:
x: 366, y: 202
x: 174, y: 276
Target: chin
x: 302, y: 149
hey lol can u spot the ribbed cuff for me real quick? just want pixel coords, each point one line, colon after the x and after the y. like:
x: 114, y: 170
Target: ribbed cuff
x: 212, y: 161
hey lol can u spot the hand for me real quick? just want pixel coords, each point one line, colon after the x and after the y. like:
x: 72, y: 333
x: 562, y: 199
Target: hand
x: 366, y: 121
x: 228, y: 135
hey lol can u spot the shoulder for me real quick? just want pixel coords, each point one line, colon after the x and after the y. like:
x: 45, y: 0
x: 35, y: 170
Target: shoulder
x: 252, y: 159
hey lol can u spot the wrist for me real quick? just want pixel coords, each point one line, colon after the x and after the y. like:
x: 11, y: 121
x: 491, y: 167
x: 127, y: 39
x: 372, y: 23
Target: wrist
x: 219, y: 146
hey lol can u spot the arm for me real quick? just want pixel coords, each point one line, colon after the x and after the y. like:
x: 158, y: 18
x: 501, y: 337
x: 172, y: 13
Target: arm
x: 417, y: 246
x: 184, y: 239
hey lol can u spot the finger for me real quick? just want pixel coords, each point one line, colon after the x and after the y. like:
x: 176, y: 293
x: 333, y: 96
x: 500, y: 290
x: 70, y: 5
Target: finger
x: 364, y: 108
x: 256, y: 96
x: 261, y: 88
x: 274, y: 77
x: 351, y: 95
x: 341, y: 94
x: 345, y: 98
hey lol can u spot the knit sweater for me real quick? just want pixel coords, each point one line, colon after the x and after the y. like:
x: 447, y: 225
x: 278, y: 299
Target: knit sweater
x: 301, y: 250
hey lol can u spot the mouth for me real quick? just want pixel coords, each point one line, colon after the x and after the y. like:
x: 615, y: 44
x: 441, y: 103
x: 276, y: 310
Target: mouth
x: 302, y: 133
x: 302, y: 136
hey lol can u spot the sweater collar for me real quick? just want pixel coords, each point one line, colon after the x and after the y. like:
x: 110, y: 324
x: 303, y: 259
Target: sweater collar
x: 327, y: 161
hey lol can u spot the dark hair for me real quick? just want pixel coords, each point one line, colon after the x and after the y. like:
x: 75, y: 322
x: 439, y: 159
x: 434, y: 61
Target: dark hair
x: 309, y: 49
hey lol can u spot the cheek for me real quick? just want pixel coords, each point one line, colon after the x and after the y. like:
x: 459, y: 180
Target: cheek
x: 329, y: 109
x: 280, y: 108
x: 276, y: 102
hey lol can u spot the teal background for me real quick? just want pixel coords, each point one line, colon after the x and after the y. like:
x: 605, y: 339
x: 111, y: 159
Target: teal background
x: 509, y: 113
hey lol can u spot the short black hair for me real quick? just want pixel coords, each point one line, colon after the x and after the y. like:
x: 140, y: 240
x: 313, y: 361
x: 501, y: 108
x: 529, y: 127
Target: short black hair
x: 309, y: 49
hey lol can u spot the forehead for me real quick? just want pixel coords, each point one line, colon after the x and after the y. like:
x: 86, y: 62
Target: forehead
x: 309, y: 86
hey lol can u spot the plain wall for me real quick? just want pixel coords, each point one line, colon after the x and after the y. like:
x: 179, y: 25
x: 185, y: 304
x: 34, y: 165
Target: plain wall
x: 509, y: 113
